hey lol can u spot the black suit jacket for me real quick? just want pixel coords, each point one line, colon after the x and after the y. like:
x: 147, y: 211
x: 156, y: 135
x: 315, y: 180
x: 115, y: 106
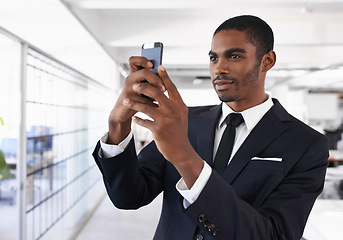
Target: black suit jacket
x: 252, y: 199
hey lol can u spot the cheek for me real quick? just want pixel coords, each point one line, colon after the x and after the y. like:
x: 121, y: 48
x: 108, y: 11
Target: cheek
x: 241, y: 69
x: 212, y: 74
x: 250, y: 78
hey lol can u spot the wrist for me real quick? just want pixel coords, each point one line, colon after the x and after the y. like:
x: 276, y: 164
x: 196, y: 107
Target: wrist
x: 190, y: 167
x: 118, y: 132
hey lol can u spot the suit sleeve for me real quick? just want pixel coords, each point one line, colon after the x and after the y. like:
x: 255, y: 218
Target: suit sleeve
x: 281, y: 215
x: 131, y: 183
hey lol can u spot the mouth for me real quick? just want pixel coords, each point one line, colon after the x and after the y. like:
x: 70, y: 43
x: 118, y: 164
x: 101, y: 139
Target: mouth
x: 223, y: 83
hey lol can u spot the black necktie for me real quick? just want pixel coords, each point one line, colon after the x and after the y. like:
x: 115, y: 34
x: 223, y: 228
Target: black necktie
x: 226, y: 143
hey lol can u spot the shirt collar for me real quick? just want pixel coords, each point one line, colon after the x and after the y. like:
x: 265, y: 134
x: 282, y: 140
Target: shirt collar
x: 251, y: 116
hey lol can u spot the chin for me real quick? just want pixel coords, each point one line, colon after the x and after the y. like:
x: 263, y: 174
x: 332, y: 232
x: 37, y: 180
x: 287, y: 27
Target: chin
x: 227, y: 98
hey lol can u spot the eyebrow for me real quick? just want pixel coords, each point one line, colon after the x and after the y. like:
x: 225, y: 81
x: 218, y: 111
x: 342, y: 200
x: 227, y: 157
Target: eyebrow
x: 229, y: 51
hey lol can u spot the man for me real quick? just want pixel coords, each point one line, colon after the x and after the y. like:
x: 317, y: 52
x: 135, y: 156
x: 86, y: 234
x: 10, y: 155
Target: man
x: 276, y: 169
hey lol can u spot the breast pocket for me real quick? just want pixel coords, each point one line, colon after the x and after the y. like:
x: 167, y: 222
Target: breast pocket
x: 257, y: 180
x: 261, y: 164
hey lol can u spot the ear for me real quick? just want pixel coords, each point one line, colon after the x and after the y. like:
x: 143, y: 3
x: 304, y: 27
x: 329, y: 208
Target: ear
x: 268, y: 61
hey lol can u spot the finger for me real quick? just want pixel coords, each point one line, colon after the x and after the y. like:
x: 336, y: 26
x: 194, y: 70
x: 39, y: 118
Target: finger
x: 143, y: 122
x: 169, y: 85
x: 146, y: 76
x: 141, y: 99
x: 149, y: 90
x: 136, y: 63
x: 140, y: 107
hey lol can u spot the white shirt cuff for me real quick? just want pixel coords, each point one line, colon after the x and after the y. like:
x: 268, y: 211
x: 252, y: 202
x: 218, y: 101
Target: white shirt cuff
x: 108, y: 150
x: 191, y: 195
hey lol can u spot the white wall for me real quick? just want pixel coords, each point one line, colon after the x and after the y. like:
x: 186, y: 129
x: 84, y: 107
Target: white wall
x: 48, y: 25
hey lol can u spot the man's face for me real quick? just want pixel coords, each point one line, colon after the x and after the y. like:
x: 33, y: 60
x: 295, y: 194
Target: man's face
x: 234, y: 68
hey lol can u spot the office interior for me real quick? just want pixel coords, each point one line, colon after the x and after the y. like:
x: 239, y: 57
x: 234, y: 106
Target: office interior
x: 62, y: 66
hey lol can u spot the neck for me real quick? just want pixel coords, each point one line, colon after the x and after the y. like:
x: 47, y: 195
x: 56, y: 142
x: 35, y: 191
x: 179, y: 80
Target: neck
x: 240, y: 106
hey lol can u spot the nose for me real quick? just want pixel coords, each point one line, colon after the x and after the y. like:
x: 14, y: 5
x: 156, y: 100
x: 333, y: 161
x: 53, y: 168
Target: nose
x: 221, y: 67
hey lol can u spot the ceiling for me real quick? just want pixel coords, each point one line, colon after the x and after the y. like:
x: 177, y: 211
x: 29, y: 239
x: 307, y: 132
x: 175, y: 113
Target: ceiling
x: 308, y: 35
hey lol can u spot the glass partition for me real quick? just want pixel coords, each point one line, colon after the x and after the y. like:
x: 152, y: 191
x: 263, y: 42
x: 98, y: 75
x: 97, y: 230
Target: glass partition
x: 10, y: 62
x: 63, y: 114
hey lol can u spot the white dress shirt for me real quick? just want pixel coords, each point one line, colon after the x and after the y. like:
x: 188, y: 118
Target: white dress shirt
x: 251, y: 117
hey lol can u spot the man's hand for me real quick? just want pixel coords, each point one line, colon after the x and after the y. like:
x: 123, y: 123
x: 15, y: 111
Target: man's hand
x: 120, y: 117
x: 169, y: 125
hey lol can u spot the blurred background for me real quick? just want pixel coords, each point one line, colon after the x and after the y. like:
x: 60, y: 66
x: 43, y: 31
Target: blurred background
x: 62, y: 66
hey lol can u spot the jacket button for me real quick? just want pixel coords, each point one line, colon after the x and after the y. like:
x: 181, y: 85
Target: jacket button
x: 212, y: 229
x: 199, y: 237
x: 201, y: 218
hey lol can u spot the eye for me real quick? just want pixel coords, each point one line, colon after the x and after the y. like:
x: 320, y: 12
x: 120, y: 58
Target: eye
x: 213, y: 58
x: 235, y: 56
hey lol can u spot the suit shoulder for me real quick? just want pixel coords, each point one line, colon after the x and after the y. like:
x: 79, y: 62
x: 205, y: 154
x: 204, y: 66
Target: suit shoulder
x: 304, y: 131
x: 300, y: 127
x: 192, y: 111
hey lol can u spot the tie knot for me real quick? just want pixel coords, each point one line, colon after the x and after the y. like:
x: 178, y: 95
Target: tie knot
x: 234, y: 119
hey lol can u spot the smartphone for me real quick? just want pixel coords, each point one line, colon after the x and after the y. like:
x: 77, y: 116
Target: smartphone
x: 153, y: 52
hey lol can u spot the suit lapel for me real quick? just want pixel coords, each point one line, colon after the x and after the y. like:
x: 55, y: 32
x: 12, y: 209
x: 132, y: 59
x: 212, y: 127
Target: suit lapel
x: 270, y: 126
x: 206, y: 129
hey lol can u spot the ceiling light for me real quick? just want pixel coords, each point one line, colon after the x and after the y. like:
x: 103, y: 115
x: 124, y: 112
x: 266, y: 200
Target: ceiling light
x: 306, y: 10
x: 197, y: 81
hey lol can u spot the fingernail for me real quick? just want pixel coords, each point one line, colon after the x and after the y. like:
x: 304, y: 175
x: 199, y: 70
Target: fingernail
x: 150, y: 64
x: 135, y: 86
x: 126, y: 101
x: 162, y: 68
x: 163, y: 88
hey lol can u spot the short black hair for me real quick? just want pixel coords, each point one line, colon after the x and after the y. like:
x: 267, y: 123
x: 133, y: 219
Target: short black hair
x: 257, y: 31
